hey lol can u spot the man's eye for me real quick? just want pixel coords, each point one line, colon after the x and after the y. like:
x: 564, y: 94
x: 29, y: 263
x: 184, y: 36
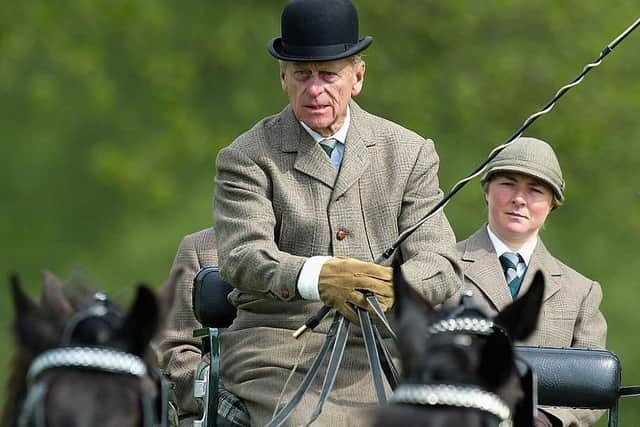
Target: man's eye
x: 301, y: 74
x: 329, y: 76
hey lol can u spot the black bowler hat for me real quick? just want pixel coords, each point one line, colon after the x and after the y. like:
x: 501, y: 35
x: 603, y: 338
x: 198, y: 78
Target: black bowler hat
x: 318, y: 30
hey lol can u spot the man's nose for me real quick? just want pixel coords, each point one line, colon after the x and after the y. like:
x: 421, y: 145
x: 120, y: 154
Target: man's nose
x: 315, y: 86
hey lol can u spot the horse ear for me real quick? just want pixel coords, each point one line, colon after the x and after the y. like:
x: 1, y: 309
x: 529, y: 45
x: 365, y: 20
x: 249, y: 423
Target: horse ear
x: 33, y: 329
x: 412, y: 312
x: 141, y: 322
x: 496, y: 357
x: 52, y: 297
x: 520, y: 318
x: 166, y: 293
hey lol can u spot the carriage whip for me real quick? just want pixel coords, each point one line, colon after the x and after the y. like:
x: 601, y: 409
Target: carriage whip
x: 377, y: 354
x: 313, y: 321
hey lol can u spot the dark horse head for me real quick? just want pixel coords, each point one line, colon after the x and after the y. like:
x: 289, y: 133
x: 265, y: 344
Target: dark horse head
x: 458, y: 365
x: 81, y: 361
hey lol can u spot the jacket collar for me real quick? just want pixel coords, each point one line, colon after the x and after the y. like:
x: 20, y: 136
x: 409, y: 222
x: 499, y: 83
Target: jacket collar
x: 482, y: 267
x: 312, y: 161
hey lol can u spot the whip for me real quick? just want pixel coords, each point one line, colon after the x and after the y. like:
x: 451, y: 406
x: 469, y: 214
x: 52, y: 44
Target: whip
x: 379, y: 358
x: 313, y: 321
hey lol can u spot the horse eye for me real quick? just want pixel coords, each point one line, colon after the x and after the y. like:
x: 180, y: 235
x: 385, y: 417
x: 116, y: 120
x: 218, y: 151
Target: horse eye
x: 462, y: 340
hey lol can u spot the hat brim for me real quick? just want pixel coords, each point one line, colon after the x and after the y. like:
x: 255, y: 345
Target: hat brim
x: 525, y: 171
x: 316, y: 54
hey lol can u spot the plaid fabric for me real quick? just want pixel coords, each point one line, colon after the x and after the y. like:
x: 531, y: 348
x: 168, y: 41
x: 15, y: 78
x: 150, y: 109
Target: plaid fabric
x: 232, y: 411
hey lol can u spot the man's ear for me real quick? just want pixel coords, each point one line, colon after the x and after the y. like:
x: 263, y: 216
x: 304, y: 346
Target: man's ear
x: 359, y: 70
x: 283, y: 82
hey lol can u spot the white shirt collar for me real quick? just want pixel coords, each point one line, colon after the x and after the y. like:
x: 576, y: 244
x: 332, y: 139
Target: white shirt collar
x: 340, y: 136
x: 525, y: 251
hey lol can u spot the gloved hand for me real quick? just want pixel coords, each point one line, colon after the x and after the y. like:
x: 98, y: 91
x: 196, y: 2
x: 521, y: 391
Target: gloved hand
x: 342, y: 282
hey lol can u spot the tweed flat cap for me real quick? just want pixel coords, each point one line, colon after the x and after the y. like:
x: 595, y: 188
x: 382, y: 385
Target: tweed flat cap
x: 529, y: 156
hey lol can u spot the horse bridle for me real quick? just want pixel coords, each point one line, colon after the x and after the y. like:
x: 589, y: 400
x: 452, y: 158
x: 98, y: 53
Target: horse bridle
x: 96, y: 359
x: 463, y: 320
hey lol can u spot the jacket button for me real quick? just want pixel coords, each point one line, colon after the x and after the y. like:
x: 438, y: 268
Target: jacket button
x: 341, y: 234
x: 284, y: 293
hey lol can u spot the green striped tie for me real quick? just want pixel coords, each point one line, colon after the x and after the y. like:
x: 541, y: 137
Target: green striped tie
x: 328, y: 145
x: 514, y: 269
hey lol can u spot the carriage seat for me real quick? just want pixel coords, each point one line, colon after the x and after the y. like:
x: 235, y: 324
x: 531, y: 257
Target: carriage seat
x: 209, y: 299
x: 569, y: 377
x: 577, y: 378
x: 213, y: 311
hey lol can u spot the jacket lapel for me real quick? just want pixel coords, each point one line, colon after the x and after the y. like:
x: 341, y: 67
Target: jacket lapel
x: 542, y: 260
x: 484, y: 270
x: 355, y: 161
x: 310, y: 158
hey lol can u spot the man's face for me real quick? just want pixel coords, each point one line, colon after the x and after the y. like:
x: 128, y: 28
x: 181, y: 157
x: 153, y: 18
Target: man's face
x: 319, y: 92
x: 518, y: 206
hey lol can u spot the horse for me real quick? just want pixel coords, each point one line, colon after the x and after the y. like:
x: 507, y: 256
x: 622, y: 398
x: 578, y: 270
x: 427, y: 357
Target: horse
x: 458, y: 366
x: 82, y: 361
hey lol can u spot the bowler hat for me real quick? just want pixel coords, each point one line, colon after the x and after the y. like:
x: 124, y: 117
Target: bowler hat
x: 533, y: 157
x: 318, y: 30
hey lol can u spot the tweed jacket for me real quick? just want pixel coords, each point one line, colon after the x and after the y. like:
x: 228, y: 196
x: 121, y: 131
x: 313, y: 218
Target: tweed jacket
x: 570, y: 314
x: 180, y: 350
x: 280, y: 200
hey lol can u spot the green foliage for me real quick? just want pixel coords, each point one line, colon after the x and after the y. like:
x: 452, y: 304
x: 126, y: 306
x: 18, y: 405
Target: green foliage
x: 112, y: 112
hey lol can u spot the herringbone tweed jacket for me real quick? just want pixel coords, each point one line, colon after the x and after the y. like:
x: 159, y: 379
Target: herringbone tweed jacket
x: 180, y: 350
x: 570, y: 315
x: 279, y: 200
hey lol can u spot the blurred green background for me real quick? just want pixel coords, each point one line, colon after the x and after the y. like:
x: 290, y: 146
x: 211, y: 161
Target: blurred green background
x: 112, y: 112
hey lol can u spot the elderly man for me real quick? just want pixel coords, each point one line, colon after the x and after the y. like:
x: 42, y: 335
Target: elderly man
x: 304, y: 202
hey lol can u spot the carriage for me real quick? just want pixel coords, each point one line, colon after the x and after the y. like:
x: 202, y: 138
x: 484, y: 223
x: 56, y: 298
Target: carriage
x: 104, y: 345
x: 567, y: 377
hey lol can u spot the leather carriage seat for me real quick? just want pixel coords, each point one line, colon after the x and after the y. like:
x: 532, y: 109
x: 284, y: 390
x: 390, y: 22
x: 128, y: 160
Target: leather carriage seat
x: 209, y: 299
x: 570, y: 377
x: 574, y: 377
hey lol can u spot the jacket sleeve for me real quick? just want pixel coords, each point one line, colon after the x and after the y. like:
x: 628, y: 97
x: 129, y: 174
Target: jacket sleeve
x: 181, y: 352
x: 590, y: 331
x: 429, y: 254
x: 244, y: 220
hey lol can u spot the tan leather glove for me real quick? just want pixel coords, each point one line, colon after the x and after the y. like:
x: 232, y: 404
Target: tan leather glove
x: 342, y: 282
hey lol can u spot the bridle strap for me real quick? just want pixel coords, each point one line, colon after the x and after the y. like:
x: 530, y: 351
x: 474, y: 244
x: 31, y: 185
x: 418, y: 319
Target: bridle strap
x: 100, y: 359
x: 92, y: 358
x: 454, y: 396
x: 32, y: 412
x: 472, y: 325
